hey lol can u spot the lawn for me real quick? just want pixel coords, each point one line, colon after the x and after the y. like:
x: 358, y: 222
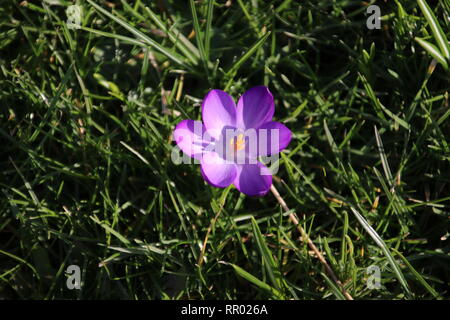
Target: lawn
x: 90, y: 96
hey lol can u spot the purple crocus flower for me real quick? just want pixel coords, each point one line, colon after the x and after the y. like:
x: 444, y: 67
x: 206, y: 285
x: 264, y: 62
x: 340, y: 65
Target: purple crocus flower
x: 230, y: 139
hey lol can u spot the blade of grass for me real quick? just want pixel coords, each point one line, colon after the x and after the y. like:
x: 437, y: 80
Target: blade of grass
x: 417, y: 275
x: 212, y: 224
x: 173, y: 56
x: 199, y: 37
x: 269, y: 261
x: 209, y: 18
x: 374, y: 235
x: 307, y: 239
x: 177, y: 38
x: 248, y: 54
x: 257, y: 282
x: 249, y: 18
x: 333, y: 287
x: 438, y: 34
x: 378, y: 240
x: 12, y: 256
x: 433, y: 51
x: 383, y: 157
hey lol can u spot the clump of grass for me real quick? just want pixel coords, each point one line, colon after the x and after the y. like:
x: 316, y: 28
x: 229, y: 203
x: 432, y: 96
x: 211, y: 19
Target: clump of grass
x: 87, y: 178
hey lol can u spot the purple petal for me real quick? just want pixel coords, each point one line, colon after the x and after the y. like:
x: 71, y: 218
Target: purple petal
x: 255, y: 107
x: 253, y: 179
x: 191, y: 137
x: 218, y: 111
x: 272, y: 138
x: 216, y: 171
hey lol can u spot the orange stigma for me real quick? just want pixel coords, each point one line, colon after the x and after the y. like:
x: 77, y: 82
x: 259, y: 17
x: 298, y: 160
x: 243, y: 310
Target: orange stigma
x: 237, y: 143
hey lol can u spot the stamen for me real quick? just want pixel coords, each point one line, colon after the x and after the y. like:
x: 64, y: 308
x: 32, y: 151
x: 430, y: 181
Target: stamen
x: 237, y: 143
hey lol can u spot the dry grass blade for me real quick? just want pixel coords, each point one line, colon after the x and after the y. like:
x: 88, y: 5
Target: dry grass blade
x: 294, y: 219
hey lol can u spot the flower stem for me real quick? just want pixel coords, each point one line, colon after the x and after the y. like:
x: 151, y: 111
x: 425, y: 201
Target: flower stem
x: 294, y: 219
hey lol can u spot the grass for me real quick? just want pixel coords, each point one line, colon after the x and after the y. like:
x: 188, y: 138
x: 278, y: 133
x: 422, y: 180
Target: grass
x: 86, y: 178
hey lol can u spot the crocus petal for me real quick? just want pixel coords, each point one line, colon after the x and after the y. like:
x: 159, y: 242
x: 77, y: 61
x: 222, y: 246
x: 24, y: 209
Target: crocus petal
x: 216, y: 171
x: 255, y: 107
x: 272, y: 138
x: 253, y: 179
x: 191, y: 137
x: 218, y: 111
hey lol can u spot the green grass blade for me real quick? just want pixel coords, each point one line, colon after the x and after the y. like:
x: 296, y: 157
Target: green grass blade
x: 199, y: 36
x: 269, y: 261
x: 383, y: 157
x: 124, y: 39
x: 374, y: 235
x: 248, y: 54
x: 438, y: 34
x: 110, y: 230
x: 379, y: 106
x: 336, y: 291
x: 418, y: 275
x: 249, y: 17
x: 209, y: 18
x: 433, y: 51
x: 12, y: 256
x: 260, y: 284
x: 177, y: 38
x: 141, y: 36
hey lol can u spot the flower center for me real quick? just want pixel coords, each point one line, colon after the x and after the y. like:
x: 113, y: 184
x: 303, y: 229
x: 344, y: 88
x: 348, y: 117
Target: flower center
x: 237, y: 143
